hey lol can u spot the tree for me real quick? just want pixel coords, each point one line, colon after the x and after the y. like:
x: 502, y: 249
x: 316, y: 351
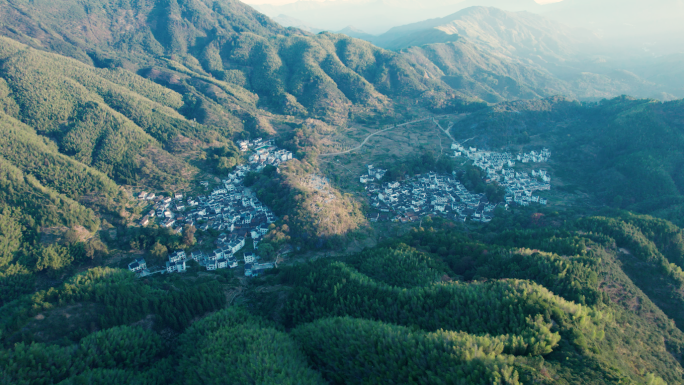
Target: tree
x: 495, y: 192
x: 53, y: 257
x: 189, y: 235
x: 159, y: 251
x: 225, y: 164
x: 266, y: 249
x: 71, y: 236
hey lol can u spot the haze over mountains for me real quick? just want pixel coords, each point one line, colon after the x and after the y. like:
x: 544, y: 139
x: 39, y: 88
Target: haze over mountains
x: 648, y: 24
x: 377, y: 16
x: 654, y: 25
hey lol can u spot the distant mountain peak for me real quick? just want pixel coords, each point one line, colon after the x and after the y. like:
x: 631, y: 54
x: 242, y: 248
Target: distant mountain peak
x: 288, y: 21
x: 355, y: 32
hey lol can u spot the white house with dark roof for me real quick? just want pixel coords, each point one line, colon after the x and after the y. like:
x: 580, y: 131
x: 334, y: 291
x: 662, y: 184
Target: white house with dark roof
x: 236, y: 245
x: 177, y: 256
x: 232, y: 262
x: 217, y: 254
x: 197, y: 255
x: 138, y: 265
x: 175, y: 267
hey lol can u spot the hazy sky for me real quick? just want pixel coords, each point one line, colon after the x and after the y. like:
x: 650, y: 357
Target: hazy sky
x: 281, y: 2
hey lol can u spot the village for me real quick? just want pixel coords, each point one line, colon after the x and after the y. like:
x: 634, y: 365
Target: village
x: 230, y: 209
x: 445, y: 196
x: 235, y: 212
x: 519, y: 186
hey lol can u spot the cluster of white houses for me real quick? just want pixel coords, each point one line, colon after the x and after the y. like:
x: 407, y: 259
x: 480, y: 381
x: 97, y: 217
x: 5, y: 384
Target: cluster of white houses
x: 372, y: 175
x: 224, y: 256
x: 444, y: 195
x: 484, y: 159
x: 230, y: 208
x: 221, y: 258
x: 428, y: 194
x: 176, y: 263
x: 265, y: 152
x: 520, y: 186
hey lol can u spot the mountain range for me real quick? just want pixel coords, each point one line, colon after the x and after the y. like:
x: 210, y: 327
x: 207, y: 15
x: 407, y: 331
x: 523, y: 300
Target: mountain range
x: 104, y: 99
x: 652, y: 25
x: 377, y: 16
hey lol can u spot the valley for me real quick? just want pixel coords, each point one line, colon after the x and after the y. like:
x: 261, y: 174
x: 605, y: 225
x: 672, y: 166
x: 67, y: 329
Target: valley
x: 193, y: 193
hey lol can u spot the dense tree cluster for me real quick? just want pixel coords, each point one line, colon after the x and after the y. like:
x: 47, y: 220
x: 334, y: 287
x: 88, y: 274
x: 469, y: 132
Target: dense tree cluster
x: 234, y: 347
x: 224, y: 158
x: 22, y: 256
x: 124, y: 300
x: 356, y: 351
x: 563, y: 266
x: 630, y: 236
x: 418, y: 164
x: 400, y: 266
x: 513, y: 308
x: 103, y: 357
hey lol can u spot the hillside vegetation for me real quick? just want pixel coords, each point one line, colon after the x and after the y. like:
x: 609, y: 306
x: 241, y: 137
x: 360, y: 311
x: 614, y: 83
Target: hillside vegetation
x: 224, y: 53
x: 557, y: 305
x: 234, y: 60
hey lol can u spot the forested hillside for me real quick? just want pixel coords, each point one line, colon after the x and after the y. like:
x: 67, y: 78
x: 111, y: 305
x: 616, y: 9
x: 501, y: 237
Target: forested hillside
x: 230, y: 57
x: 562, y: 305
x: 223, y: 52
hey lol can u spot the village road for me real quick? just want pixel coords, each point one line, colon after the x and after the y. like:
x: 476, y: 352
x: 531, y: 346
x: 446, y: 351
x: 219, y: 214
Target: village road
x: 373, y: 134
